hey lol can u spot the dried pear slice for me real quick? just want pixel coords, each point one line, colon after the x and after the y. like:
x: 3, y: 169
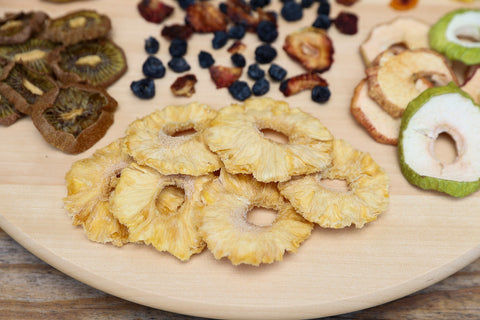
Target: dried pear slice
x: 457, y: 35
x: 28, y: 88
x: 402, y: 77
x: 90, y: 183
x: 236, y: 136
x: 8, y: 113
x: 19, y: 27
x: 98, y: 63
x: 406, y: 31
x: 472, y: 86
x: 440, y: 110
x: 158, y: 215
x: 74, y: 27
x: 33, y: 52
x: 78, y: 117
x: 365, y: 198
x: 156, y: 140
x: 228, y: 232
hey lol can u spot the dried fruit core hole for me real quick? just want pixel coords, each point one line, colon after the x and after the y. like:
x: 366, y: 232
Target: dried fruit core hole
x: 184, y: 132
x: 445, y: 148
x: 468, y: 34
x: 335, y: 185
x: 308, y: 49
x: 261, y: 217
x: 170, y: 200
x: 274, y: 135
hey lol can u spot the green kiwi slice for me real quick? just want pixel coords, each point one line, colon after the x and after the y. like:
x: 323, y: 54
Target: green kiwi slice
x: 19, y: 27
x: 8, y: 113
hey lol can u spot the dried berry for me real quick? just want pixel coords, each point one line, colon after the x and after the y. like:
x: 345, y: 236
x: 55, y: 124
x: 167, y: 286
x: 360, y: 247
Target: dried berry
x: 144, y: 88
x: 347, y: 3
x: 306, y: 3
x: 184, y: 86
x: 346, y: 23
x: 291, y: 11
x: 403, y: 4
x: 306, y: 81
x: 220, y: 38
x: 321, y: 94
x: 185, y: 3
x: 178, y: 64
x: 276, y: 72
x: 240, y: 90
x: 178, y: 47
x: 236, y: 32
x: 205, y: 59
x: 180, y: 31
x: 324, y: 7
x: 322, y: 21
x: 239, y: 12
x: 265, y: 53
x: 267, y: 31
x: 255, y: 72
x: 259, y: 3
x: 154, y: 10
x: 238, y: 60
x: 153, y: 68
x: 237, y: 47
x: 205, y: 17
x: 260, y: 87
x: 224, y: 77
x: 151, y: 45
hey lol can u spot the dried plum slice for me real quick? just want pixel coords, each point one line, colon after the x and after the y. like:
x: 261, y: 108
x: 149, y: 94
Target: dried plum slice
x: 99, y: 63
x: 77, y: 119
x: 19, y: 27
x: 34, y: 53
x: 27, y: 88
x: 78, y: 26
x: 8, y: 113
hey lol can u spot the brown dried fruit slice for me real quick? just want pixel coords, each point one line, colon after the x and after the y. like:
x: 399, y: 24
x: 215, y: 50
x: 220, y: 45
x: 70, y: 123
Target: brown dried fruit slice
x: 154, y: 10
x: 180, y: 31
x: 403, y: 4
x: 77, y: 119
x: 346, y: 23
x: 379, y: 124
x: 402, y: 77
x: 347, y: 3
x: 19, y: 27
x: 311, y: 47
x: 89, y: 183
x: 33, y: 52
x: 81, y: 25
x: 184, y: 86
x: 472, y: 85
x: 205, y: 17
x: 240, y: 12
x: 237, y: 47
x: 305, y: 81
x: 8, y: 113
x: 224, y: 77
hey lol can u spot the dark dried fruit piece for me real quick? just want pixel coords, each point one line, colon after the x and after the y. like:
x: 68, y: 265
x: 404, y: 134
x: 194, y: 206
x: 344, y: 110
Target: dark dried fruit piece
x: 180, y: 31
x: 99, y: 63
x: 346, y: 23
x: 8, y: 113
x: 224, y: 77
x: 154, y: 10
x: 312, y: 47
x: 81, y: 25
x: 347, y: 3
x: 240, y: 13
x: 205, y: 17
x: 143, y: 88
x: 184, y: 86
x: 240, y: 90
x: 321, y: 94
x: 306, y: 81
x: 79, y: 117
x: 403, y: 4
x: 18, y: 28
x: 33, y: 52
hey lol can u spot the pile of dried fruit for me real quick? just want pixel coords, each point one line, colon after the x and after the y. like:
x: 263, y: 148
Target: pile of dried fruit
x: 57, y: 71
x: 160, y: 186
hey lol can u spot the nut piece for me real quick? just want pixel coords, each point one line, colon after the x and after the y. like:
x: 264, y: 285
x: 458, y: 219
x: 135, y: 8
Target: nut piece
x: 224, y: 77
x: 184, y: 86
x: 306, y: 81
x: 205, y: 17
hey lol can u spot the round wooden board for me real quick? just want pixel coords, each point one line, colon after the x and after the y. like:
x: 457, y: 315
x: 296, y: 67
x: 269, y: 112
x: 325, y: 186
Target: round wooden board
x: 421, y: 238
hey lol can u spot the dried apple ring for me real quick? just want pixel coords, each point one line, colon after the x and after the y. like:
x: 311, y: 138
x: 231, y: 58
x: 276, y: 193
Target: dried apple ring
x: 367, y: 195
x: 227, y: 231
x: 236, y: 136
x: 89, y: 183
x: 156, y: 140
x: 158, y: 215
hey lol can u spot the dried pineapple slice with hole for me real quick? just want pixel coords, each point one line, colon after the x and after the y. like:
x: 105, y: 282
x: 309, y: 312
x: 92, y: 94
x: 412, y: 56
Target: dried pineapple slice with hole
x: 155, y: 140
x: 162, y: 210
x: 236, y: 136
x: 365, y: 198
x: 226, y: 229
x: 89, y: 184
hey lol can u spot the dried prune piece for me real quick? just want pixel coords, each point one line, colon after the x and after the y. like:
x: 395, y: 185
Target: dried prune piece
x: 184, y: 86
x: 154, y: 10
x: 346, y: 23
x: 180, y: 31
x: 33, y: 52
x: 78, y: 26
x: 224, y: 77
x: 312, y: 47
x: 205, y: 17
x: 19, y: 27
x: 403, y: 4
x: 27, y: 88
x: 78, y: 117
x: 8, y: 113
x: 96, y: 62
x: 305, y: 81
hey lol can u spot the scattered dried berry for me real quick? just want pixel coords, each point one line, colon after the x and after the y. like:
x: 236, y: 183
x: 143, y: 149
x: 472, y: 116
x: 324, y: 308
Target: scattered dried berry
x: 223, y: 7
x: 151, y: 45
x: 240, y: 90
x: 260, y: 87
x: 154, y: 10
x: 307, y: 3
x: 236, y: 32
x: 324, y: 7
x: 346, y: 23
x: 144, y: 88
x: 205, y: 59
x: 291, y: 11
x: 321, y: 94
x: 153, y: 68
x: 185, y: 3
x: 267, y: 31
x: 180, y: 31
x: 239, y: 12
x: 265, y: 53
x: 178, y: 64
x: 238, y: 60
x: 306, y: 81
x: 276, y: 72
x: 259, y: 3
x: 224, y: 77
x: 184, y: 86
x: 237, y: 47
x: 403, y: 4
x: 255, y: 72
x: 178, y: 47
x: 219, y: 40
x: 322, y: 21
x: 205, y: 17
x: 347, y: 3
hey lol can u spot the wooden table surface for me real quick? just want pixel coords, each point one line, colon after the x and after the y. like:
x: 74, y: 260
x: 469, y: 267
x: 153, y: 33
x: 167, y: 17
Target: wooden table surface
x: 31, y: 289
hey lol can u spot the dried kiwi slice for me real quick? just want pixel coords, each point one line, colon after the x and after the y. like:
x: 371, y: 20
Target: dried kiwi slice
x: 77, y: 119
x: 8, y: 113
x: 78, y: 26
x: 19, y: 27
x: 27, y: 88
x: 99, y: 63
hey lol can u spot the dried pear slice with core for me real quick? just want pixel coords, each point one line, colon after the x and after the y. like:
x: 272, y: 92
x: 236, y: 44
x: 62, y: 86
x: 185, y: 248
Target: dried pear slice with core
x: 27, y: 88
x: 171, y: 140
x: 237, y: 135
x: 78, y: 26
x: 472, y: 86
x: 8, y: 113
x: 457, y: 35
x: 158, y: 215
x: 19, y: 27
x: 99, y: 63
x: 89, y: 184
x: 77, y: 118
x: 402, y: 77
x: 366, y: 195
x: 379, y: 124
x: 442, y: 110
x: 404, y: 31
x: 228, y: 232
x: 34, y: 53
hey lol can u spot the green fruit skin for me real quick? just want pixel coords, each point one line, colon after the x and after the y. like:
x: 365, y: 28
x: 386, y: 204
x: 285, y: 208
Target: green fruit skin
x: 454, y: 188
x: 453, y: 51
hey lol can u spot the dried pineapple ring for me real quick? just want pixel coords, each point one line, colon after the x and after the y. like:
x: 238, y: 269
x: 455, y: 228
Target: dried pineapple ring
x: 157, y: 215
x: 89, y: 184
x: 366, y: 198
x: 151, y: 140
x: 227, y: 231
x: 235, y: 134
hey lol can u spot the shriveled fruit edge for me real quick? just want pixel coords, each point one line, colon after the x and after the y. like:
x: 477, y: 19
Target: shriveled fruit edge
x: 472, y: 86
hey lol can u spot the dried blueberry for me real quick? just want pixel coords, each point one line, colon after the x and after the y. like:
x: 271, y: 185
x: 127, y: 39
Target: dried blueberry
x: 254, y: 4
x: 238, y: 60
x: 153, y: 68
x: 255, y: 72
x: 236, y: 32
x: 240, y: 90
x: 185, y: 3
x: 291, y: 11
x: 178, y: 47
x: 220, y: 38
x: 205, y: 59
x: 151, y: 45
x: 276, y: 72
x: 260, y: 87
x: 178, y: 64
x: 267, y: 31
x: 223, y: 7
x: 306, y: 3
x: 265, y: 53
x: 324, y: 7
x: 321, y: 94
x: 322, y: 21
x: 144, y: 88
